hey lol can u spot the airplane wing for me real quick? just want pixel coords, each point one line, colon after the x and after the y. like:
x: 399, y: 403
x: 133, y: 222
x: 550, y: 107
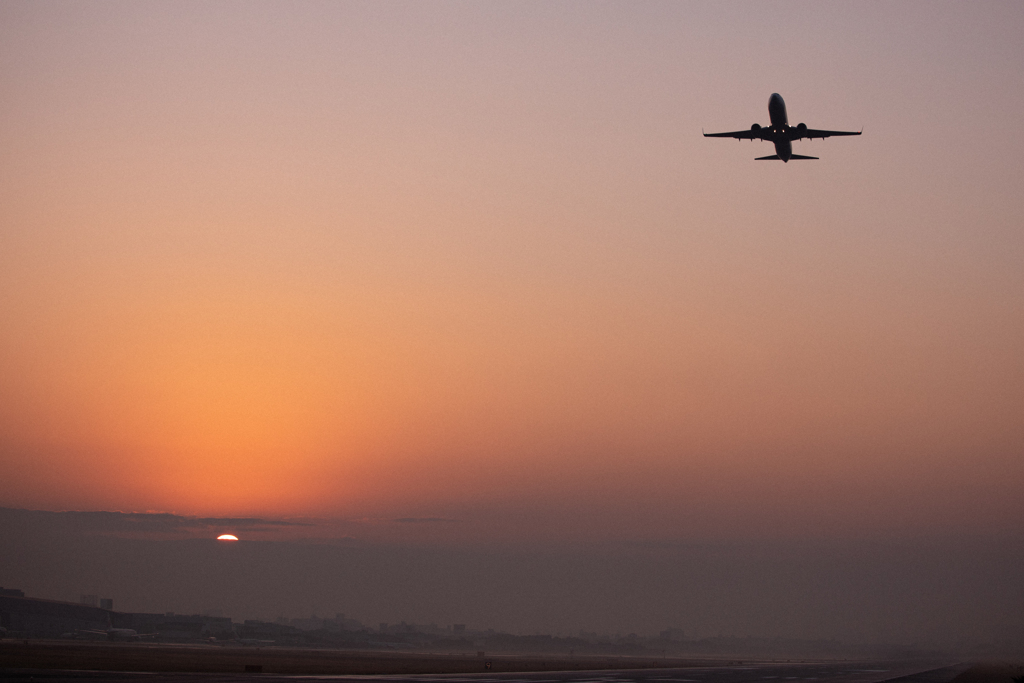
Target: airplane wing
x: 749, y: 134
x: 797, y: 133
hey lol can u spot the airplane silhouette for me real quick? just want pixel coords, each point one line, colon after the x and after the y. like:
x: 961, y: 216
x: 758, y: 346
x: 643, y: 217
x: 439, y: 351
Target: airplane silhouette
x: 126, y: 634
x: 780, y: 132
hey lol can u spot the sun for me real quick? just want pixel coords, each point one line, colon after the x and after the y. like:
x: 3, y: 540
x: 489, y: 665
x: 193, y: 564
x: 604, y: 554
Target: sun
x: 227, y: 537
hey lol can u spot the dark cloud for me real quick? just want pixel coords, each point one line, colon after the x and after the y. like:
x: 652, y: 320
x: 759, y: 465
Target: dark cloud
x: 103, y: 522
x: 424, y: 520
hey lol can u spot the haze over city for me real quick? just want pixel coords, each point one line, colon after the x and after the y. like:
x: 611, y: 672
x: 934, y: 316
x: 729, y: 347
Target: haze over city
x: 451, y: 314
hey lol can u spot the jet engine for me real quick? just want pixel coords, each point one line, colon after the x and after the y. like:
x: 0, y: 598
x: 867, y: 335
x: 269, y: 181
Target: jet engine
x: 801, y: 127
x: 756, y: 126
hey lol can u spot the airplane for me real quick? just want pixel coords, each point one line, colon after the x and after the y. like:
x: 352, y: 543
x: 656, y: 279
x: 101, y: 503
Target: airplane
x: 253, y: 641
x: 123, y: 634
x: 780, y: 132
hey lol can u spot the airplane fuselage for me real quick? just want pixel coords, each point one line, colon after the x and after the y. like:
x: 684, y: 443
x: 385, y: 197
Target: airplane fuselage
x: 777, y: 111
x: 780, y: 122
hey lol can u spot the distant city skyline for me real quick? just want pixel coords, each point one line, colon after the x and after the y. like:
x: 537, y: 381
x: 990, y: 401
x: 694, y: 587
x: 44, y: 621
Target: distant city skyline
x: 35, y: 616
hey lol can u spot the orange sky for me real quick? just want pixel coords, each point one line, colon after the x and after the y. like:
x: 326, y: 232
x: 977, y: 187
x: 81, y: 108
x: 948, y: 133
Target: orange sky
x: 477, y: 262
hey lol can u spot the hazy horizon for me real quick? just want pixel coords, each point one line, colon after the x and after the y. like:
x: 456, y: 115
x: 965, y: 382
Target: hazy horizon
x: 951, y: 593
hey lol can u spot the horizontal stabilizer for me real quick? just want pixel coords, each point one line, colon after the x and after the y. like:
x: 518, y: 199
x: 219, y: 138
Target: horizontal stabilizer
x: 776, y: 157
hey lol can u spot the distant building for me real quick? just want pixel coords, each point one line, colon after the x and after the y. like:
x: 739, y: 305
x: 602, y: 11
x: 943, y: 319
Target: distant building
x: 11, y: 592
x: 265, y: 630
x: 31, y: 617
x: 313, y: 623
x: 342, y: 623
x: 176, y: 627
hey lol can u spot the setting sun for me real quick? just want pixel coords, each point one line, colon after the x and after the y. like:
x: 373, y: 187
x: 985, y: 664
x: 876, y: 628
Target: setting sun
x: 227, y: 537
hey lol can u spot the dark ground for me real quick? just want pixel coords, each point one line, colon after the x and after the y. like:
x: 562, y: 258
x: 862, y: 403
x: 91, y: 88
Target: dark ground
x: 101, y: 662
x: 143, y: 657
x: 991, y: 673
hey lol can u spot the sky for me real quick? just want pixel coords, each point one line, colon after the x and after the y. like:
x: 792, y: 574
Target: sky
x: 474, y: 262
